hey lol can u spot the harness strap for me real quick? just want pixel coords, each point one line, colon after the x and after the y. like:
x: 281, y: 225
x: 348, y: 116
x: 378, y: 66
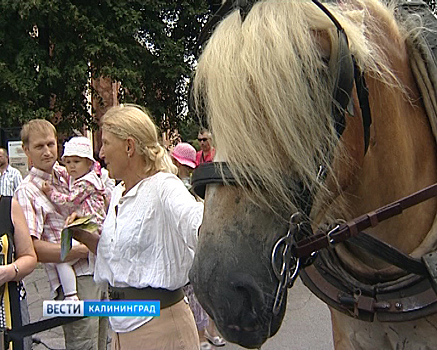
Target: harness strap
x: 389, y: 254
x: 363, y: 98
x: 224, y: 9
x: 409, y: 298
x: 307, y: 246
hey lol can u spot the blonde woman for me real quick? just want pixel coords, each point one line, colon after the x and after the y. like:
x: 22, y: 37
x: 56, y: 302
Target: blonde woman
x: 149, y: 235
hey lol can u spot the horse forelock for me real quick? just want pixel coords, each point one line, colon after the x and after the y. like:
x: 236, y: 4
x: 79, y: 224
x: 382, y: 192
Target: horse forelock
x: 266, y: 89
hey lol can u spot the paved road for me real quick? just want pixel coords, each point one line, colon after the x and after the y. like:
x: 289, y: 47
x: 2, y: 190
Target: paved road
x: 37, y: 287
x: 306, y: 324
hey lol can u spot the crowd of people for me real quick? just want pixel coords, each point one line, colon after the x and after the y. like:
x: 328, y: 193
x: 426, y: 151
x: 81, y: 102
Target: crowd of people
x: 144, y: 245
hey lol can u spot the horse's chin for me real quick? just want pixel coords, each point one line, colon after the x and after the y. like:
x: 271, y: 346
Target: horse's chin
x: 251, y: 339
x: 247, y: 339
x: 250, y: 336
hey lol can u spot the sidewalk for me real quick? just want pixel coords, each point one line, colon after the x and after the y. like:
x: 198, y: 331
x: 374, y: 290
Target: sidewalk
x: 38, y: 289
x: 306, y: 325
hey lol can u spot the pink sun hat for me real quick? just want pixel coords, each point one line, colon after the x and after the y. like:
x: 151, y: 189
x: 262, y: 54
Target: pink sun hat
x: 185, y: 154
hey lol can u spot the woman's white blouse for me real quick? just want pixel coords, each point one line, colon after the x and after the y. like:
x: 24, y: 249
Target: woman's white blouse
x: 149, y: 237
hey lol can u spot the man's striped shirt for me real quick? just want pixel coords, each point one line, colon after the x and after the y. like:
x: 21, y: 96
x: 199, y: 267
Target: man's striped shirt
x: 10, y: 179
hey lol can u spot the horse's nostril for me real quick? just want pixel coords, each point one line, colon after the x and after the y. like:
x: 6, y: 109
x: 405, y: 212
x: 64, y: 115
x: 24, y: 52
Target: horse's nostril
x: 250, y: 295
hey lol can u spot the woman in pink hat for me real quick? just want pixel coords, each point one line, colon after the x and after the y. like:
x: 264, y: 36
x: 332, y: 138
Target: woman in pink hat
x: 184, y: 157
x: 86, y: 197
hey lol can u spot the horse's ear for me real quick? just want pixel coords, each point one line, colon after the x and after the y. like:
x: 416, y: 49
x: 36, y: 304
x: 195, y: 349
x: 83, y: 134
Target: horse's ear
x: 226, y: 8
x: 244, y: 6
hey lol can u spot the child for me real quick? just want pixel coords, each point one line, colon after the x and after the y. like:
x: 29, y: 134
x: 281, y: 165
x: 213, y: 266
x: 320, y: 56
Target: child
x: 86, y: 197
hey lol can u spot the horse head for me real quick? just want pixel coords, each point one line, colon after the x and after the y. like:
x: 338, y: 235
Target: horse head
x: 276, y: 82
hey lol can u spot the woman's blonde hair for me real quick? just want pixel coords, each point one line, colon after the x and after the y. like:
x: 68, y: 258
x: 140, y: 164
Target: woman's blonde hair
x: 130, y: 120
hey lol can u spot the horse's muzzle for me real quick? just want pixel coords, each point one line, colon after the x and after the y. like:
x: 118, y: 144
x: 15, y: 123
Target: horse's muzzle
x: 242, y: 312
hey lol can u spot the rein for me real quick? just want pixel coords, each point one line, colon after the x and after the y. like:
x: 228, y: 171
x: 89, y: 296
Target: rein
x: 353, y: 228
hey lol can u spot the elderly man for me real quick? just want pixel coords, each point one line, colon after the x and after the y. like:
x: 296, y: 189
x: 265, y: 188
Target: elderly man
x: 46, y: 221
x: 207, y: 152
x: 10, y: 177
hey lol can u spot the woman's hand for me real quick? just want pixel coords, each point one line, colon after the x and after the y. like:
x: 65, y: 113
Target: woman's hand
x: 90, y: 239
x: 80, y: 235
x: 71, y: 218
x: 7, y: 273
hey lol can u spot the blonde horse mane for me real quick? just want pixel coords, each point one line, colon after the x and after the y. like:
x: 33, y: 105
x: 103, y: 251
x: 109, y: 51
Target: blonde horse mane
x: 266, y: 89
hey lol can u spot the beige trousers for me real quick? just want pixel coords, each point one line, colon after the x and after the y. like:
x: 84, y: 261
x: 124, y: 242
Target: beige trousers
x: 175, y: 329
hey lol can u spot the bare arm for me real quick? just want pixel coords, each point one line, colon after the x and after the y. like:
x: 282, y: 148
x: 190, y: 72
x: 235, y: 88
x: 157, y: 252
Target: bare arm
x: 49, y: 252
x: 24, y: 252
x: 25, y: 255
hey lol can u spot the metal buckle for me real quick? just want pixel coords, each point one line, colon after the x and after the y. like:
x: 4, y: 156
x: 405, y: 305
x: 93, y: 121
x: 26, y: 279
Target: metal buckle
x: 331, y: 240
x: 289, y: 265
x: 336, y: 227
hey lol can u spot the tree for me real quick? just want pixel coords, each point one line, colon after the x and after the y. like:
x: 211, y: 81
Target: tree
x: 49, y: 50
x: 214, y: 5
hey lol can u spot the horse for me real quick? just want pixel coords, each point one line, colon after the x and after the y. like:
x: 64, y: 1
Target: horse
x: 317, y: 119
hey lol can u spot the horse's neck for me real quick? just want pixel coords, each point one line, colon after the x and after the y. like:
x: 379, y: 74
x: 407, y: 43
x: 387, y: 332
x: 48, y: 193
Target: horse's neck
x: 401, y: 159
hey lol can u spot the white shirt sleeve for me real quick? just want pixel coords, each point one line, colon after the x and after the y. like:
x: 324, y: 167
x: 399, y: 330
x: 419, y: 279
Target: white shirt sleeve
x: 183, y: 209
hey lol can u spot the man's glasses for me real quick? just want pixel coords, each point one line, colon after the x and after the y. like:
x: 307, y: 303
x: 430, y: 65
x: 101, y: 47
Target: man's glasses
x: 204, y: 140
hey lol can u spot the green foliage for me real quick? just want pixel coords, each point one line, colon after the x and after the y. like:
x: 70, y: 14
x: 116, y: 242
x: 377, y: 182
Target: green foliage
x: 49, y: 49
x: 188, y: 130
